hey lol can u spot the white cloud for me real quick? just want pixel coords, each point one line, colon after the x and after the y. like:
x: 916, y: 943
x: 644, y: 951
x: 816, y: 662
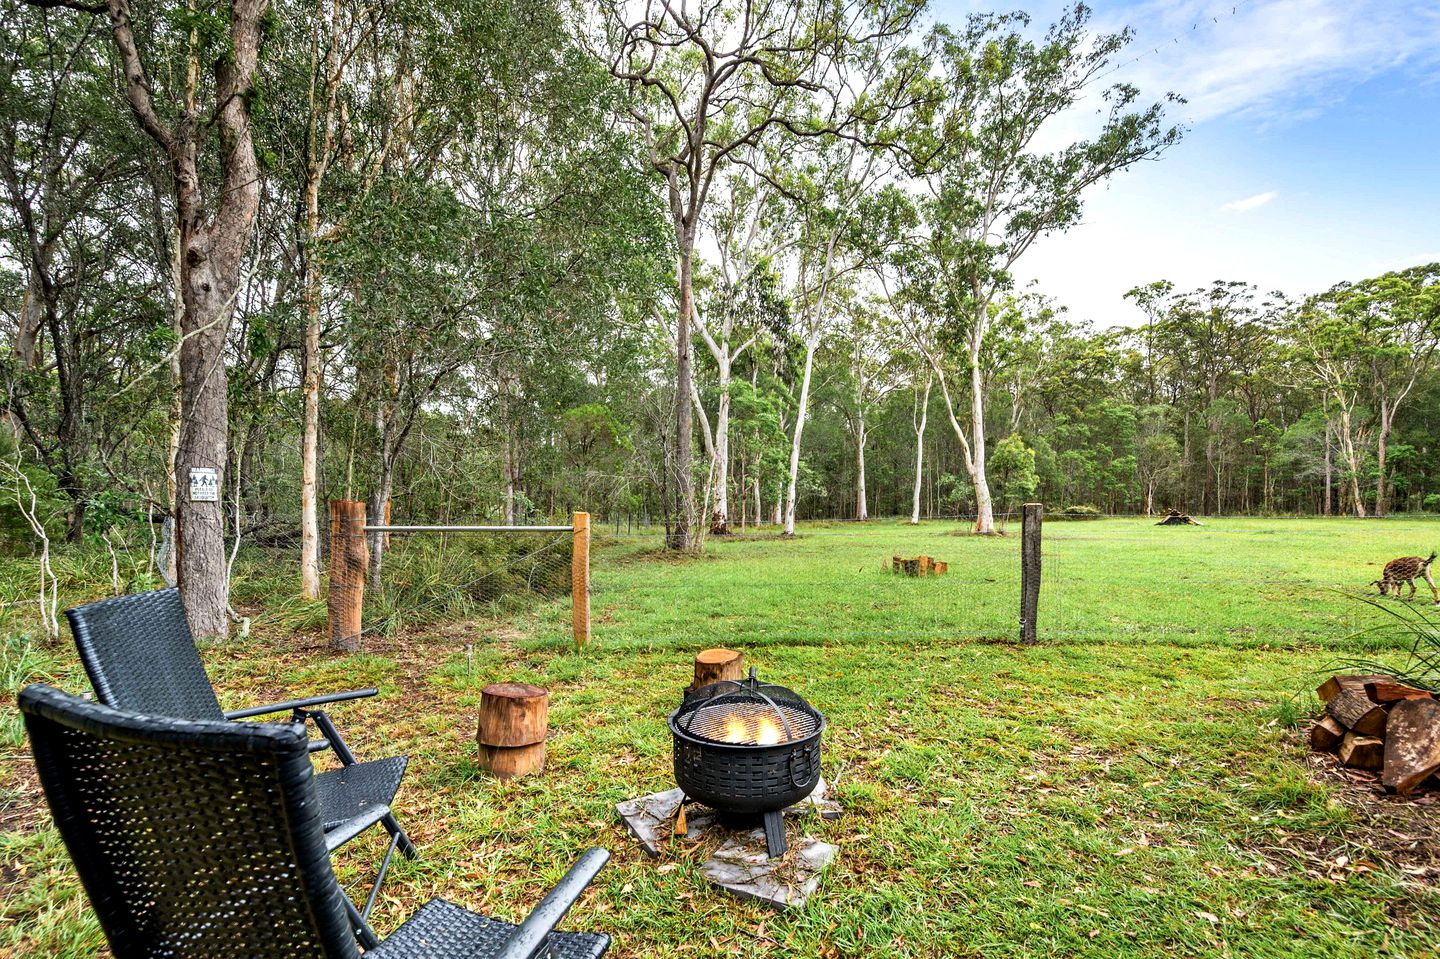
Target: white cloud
x: 1274, y: 61
x: 1249, y: 203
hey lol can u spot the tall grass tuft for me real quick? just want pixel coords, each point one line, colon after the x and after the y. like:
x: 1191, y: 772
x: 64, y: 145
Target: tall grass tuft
x: 1413, y: 626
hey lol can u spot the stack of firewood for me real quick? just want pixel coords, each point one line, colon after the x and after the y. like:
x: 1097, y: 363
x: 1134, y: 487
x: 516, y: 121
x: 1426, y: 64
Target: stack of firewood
x: 1379, y: 724
x: 919, y: 566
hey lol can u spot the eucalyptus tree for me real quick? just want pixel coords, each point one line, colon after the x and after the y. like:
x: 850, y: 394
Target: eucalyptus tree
x: 189, y: 83
x: 990, y: 188
x: 709, y: 83
x: 1367, y: 344
x: 744, y: 304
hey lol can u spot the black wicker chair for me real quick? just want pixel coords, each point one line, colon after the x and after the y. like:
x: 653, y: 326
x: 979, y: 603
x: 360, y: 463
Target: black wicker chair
x: 141, y: 657
x: 203, y: 840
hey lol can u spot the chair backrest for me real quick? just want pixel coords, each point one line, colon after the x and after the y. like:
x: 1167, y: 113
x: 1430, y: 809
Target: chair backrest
x: 141, y: 656
x: 194, y: 840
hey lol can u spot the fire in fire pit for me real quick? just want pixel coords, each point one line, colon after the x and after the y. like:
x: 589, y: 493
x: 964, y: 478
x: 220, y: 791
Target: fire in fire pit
x: 744, y: 748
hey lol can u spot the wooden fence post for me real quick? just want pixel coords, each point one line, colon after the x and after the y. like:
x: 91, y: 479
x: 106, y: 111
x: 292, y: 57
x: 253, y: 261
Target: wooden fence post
x: 348, y: 562
x: 1029, y: 569
x: 580, y: 579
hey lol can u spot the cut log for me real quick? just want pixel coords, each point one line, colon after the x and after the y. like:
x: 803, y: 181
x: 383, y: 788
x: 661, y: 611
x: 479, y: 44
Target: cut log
x: 1412, y: 744
x: 1385, y: 693
x: 507, y: 762
x: 1326, y: 735
x: 941, y: 568
x: 912, y: 567
x: 1362, y: 752
x: 1329, y: 689
x: 1354, y: 710
x: 714, y: 665
x: 513, y: 714
x: 897, y: 564
x: 925, y: 564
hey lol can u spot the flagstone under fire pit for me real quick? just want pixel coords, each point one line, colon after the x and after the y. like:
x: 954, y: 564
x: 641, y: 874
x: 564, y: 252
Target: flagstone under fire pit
x: 742, y: 865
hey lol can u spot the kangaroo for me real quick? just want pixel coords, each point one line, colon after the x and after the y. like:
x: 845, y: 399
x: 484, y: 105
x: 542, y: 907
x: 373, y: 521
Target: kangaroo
x: 1405, y: 570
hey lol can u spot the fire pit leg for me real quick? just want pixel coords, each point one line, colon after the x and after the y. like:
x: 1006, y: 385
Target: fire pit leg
x: 775, y: 833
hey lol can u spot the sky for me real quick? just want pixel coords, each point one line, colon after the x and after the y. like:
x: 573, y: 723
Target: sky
x: 1311, y: 153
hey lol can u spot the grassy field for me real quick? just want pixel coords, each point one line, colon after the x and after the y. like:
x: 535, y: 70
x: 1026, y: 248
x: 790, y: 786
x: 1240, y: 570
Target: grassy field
x: 1133, y: 786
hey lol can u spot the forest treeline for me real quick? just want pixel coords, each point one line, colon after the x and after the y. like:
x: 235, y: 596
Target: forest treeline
x: 704, y: 266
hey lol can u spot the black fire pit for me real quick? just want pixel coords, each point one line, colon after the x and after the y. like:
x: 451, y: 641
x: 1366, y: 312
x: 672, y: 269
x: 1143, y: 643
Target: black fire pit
x: 748, y: 748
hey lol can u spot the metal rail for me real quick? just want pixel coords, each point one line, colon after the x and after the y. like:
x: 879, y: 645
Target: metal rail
x: 468, y: 529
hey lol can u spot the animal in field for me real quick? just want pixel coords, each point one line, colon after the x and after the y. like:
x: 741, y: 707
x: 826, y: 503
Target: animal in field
x: 1406, y: 569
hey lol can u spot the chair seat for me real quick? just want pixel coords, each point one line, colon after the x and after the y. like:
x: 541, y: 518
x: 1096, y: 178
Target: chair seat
x: 443, y: 930
x: 347, y: 792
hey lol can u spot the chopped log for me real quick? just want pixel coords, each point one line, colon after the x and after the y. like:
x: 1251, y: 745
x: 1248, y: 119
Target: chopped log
x: 1326, y: 735
x: 912, y: 567
x: 1412, y: 744
x: 1354, y: 710
x: 897, y: 564
x: 1385, y: 693
x: 1362, y: 752
x: 715, y: 665
x: 925, y: 564
x: 507, y: 762
x: 941, y: 568
x: 514, y: 718
x: 1173, y: 517
x: 1329, y: 689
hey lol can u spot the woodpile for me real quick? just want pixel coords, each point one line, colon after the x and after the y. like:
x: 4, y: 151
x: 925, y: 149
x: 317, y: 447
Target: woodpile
x: 1381, y: 725
x: 1173, y: 517
x: 919, y: 566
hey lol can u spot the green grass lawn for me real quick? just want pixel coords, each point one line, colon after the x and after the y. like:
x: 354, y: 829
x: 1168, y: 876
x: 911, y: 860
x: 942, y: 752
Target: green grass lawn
x: 1133, y: 786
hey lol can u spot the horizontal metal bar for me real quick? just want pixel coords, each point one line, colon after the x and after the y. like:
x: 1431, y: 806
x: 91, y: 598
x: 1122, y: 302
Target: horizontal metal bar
x: 468, y: 529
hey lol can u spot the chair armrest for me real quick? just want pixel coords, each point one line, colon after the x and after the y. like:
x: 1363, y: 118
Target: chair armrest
x: 293, y: 704
x: 526, y: 940
x: 351, y: 828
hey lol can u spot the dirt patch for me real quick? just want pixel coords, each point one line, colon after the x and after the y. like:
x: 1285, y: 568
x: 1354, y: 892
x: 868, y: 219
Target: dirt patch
x: 1402, y: 832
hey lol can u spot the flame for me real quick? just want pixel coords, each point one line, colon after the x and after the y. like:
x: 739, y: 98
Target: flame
x: 751, y: 730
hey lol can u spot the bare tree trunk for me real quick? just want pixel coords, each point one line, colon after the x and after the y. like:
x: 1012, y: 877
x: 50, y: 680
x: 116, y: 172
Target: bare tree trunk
x: 1329, y: 469
x: 801, y: 411
x: 720, y: 522
x: 1382, y: 443
x: 984, y: 507
x: 924, y: 415
x: 682, y: 531
x: 862, y: 508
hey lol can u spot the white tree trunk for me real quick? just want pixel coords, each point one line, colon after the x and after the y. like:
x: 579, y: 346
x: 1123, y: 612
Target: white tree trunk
x: 790, y: 487
x: 920, y: 451
x: 862, y: 509
x: 984, y: 508
x: 720, y: 521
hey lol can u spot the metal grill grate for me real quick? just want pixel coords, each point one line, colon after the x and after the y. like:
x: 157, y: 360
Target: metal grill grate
x: 750, y: 723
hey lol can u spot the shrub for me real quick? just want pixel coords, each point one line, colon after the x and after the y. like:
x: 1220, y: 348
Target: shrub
x: 1078, y: 512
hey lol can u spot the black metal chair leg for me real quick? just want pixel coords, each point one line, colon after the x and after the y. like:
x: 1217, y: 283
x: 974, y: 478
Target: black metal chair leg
x: 363, y: 933
x: 397, y: 833
x: 379, y: 878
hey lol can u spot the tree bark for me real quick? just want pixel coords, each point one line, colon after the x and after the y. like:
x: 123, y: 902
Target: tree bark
x: 811, y: 344
x: 924, y: 415
x: 682, y: 530
x: 862, y: 509
x: 212, y: 246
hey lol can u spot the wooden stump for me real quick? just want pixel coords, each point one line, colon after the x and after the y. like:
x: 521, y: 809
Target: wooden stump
x: 925, y: 564
x: 514, y: 718
x: 939, y: 568
x: 715, y: 665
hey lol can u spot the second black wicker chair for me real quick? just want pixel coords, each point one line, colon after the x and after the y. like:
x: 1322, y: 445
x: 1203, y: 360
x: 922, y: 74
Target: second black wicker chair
x: 141, y: 657
x: 204, y: 840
